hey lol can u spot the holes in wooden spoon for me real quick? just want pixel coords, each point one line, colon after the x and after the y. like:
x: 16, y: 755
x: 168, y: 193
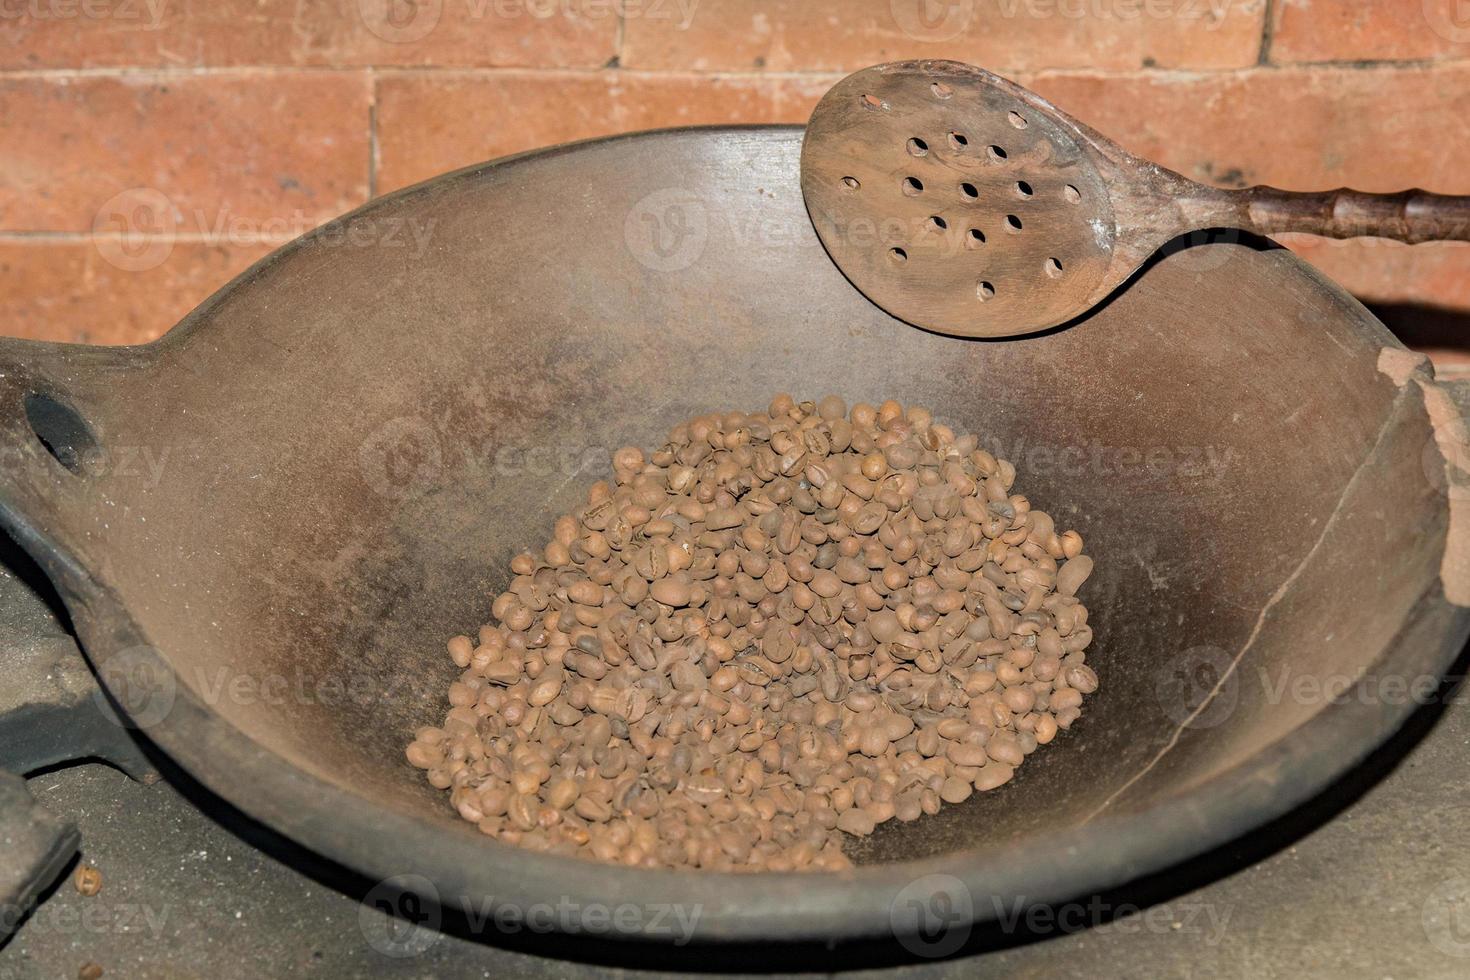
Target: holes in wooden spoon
x: 851, y: 183
x: 1016, y: 119
x: 984, y: 291
x: 941, y: 90
x: 997, y: 153
x: 958, y: 140
x: 913, y: 186
x: 1072, y: 194
x: 918, y: 147
x: 936, y: 223
x: 969, y: 191
x: 1054, y: 268
x: 897, y: 256
x: 873, y: 102
x: 1013, y: 223
x: 1023, y: 188
x: 974, y: 238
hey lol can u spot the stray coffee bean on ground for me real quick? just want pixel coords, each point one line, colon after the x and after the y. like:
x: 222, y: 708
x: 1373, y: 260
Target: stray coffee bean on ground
x: 778, y: 629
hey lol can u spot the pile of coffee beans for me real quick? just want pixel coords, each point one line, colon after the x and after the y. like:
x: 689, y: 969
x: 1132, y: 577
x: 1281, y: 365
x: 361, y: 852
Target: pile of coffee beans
x: 778, y: 629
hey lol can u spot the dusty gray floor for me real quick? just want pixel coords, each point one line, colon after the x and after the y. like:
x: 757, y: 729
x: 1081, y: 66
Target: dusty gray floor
x: 1380, y: 890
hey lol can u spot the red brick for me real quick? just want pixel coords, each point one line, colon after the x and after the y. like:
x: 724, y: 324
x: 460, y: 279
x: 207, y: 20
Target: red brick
x: 334, y: 33
x: 1369, y: 30
x: 1421, y: 291
x: 229, y: 152
x: 1378, y: 129
x: 1378, y: 271
x: 1004, y: 35
x: 430, y: 122
x: 72, y: 290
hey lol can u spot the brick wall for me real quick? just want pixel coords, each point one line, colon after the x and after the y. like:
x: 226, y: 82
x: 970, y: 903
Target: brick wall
x: 151, y: 149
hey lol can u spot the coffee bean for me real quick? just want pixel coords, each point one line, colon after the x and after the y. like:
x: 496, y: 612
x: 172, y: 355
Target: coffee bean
x: 993, y: 775
x: 856, y: 821
x: 1073, y: 574
x: 591, y: 809
x: 87, y: 880
x: 585, y: 592
x: 1004, y: 749
x: 831, y: 408
x: 522, y: 811
x: 424, y: 756
x: 685, y: 676
x: 826, y: 584
x: 1082, y: 678
x: 671, y: 592
x: 545, y: 689
x: 966, y: 754
x: 561, y: 793
x: 721, y: 518
x: 1018, y: 699
x: 1065, y: 699
x: 955, y: 790
x: 873, y: 740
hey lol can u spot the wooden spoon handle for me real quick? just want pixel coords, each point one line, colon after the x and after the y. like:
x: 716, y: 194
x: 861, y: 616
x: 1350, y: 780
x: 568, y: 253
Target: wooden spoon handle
x: 1409, y: 216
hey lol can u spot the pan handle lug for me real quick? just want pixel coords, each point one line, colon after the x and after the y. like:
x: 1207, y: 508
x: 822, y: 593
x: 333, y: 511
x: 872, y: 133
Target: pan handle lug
x: 55, y: 400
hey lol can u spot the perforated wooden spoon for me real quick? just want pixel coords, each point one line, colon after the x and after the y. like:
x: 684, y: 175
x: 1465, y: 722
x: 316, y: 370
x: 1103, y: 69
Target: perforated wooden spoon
x: 961, y: 202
